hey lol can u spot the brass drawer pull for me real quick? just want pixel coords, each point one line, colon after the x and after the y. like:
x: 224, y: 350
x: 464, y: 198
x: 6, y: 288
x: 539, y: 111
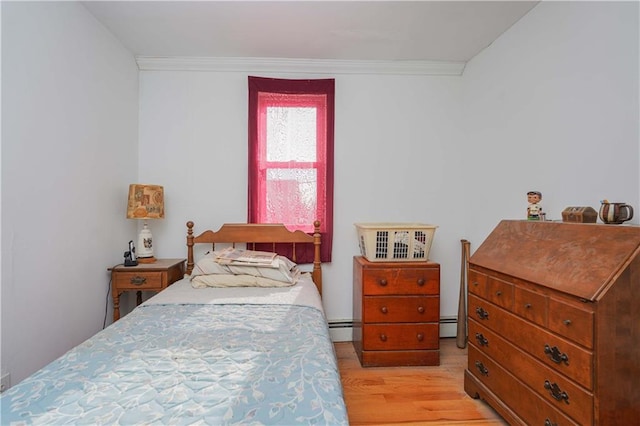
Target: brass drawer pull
x: 482, y: 341
x: 482, y: 314
x: 566, y: 322
x: 382, y: 282
x: 482, y: 369
x: 555, y: 391
x: 554, y: 355
x: 137, y: 280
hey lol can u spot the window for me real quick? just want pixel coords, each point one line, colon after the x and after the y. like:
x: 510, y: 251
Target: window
x: 291, y: 156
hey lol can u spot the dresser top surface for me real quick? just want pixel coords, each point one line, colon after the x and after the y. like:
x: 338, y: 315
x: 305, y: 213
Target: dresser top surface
x: 397, y: 264
x: 575, y: 258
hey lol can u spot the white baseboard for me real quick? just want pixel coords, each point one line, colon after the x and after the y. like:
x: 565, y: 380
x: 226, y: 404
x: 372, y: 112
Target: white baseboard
x: 341, y: 330
x: 341, y: 334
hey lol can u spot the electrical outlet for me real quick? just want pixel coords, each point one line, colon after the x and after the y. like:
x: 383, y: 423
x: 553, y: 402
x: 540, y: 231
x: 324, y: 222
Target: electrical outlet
x: 5, y: 382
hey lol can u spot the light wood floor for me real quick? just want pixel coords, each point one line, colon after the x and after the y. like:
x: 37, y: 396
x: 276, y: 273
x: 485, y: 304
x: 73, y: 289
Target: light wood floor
x: 411, y: 395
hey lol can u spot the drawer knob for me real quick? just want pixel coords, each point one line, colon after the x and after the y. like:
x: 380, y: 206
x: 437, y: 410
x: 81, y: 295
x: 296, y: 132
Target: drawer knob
x: 548, y: 422
x: 383, y: 337
x: 382, y: 282
x: 475, y: 283
x: 421, y: 281
x: 482, y: 314
x: 555, y: 355
x: 482, y: 341
x: 137, y: 280
x: 482, y: 369
x: 498, y: 293
x: 420, y: 337
x: 384, y: 310
x: 566, y: 322
x: 527, y: 305
x: 421, y: 309
x: 555, y: 391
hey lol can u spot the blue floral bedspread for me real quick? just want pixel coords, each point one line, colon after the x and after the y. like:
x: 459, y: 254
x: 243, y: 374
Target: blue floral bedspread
x: 191, y: 364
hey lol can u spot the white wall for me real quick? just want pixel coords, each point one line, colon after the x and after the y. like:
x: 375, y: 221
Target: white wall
x: 397, y: 145
x: 552, y: 105
x: 69, y: 139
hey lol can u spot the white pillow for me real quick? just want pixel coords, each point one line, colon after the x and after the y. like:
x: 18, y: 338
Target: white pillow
x: 218, y: 280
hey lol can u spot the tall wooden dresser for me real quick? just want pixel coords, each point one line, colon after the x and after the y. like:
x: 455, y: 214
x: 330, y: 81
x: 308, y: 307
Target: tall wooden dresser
x: 396, y: 309
x: 554, y: 323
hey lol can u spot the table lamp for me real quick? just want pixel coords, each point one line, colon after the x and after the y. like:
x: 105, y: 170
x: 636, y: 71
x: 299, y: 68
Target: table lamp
x: 145, y: 202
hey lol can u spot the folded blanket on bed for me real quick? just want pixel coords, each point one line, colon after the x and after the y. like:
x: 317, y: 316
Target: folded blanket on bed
x: 236, y: 256
x: 280, y: 269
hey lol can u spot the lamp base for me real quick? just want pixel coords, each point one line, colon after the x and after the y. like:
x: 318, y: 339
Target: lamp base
x: 145, y: 245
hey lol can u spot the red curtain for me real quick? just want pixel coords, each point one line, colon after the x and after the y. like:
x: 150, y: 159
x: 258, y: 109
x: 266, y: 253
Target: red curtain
x: 275, y: 91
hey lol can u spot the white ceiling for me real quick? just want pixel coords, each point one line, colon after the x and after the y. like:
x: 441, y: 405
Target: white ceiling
x: 339, y: 30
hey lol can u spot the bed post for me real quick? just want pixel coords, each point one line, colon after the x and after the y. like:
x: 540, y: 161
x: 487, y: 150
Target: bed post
x: 190, y: 263
x: 317, y: 270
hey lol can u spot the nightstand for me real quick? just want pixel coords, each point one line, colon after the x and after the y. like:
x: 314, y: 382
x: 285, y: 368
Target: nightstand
x: 396, y: 313
x: 146, y: 276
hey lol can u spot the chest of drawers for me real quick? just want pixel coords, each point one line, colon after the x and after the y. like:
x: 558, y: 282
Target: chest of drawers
x: 554, y: 323
x: 396, y: 308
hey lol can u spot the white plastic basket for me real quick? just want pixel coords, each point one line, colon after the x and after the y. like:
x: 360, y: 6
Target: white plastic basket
x: 395, y: 242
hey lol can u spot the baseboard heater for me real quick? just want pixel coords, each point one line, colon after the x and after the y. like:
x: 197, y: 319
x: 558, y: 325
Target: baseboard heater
x: 341, y: 330
x: 449, y: 320
x: 349, y: 324
x: 340, y: 324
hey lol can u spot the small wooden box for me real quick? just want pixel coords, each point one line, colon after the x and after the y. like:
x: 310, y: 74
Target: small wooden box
x: 579, y: 215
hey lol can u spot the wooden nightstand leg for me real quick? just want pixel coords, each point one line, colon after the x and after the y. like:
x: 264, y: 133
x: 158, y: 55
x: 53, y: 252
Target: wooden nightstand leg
x: 138, y: 298
x: 116, y: 306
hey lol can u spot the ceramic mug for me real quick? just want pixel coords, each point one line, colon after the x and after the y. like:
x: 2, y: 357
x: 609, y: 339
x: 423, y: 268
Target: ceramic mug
x: 615, y: 213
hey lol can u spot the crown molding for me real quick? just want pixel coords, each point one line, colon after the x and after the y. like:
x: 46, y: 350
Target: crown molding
x: 308, y: 66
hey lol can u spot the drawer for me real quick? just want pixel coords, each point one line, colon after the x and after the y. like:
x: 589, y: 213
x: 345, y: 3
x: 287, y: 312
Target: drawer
x: 139, y: 280
x: 571, y: 322
x: 559, y: 391
x: 386, y: 337
x: 400, y: 358
x: 499, y: 292
x: 477, y: 283
x: 401, y: 281
x: 530, y: 305
x: 401, y: 309
x: 554, y: 351
x: 529, y: 406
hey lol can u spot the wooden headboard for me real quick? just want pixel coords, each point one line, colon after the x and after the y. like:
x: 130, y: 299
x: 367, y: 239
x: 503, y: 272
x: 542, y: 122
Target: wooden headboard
x: 251, y: 233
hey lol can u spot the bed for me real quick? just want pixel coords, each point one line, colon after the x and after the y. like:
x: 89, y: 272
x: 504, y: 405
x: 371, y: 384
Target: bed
x: 219, y: 354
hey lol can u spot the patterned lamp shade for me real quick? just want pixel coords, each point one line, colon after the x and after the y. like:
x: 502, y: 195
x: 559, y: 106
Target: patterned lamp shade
x: 145, y: 202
